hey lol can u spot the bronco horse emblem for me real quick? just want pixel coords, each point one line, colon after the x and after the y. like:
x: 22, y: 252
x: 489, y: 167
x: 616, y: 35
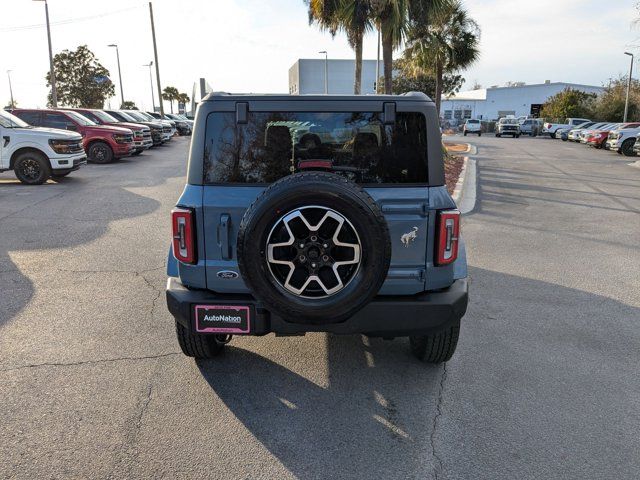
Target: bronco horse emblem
x: 409, y: 237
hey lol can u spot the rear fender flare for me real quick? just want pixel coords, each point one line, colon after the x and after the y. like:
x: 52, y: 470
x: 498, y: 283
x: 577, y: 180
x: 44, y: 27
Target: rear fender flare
x: 172, y: 264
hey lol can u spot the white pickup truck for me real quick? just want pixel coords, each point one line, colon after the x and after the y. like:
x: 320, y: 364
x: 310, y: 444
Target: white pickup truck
x: 36, y: 154
x: 569, y: 123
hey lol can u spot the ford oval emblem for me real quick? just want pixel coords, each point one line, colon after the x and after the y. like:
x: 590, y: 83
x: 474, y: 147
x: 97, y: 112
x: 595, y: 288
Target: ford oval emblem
x: 227, y: 274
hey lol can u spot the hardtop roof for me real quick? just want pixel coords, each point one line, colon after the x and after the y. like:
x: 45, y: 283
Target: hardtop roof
x: 244, y: 97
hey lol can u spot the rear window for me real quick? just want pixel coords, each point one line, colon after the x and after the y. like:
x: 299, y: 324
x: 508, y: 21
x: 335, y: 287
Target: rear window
x: 357, y: 145
x: 473, y: 121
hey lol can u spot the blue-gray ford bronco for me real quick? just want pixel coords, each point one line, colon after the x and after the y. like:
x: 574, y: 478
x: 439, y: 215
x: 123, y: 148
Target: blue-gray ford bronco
x: 317, y: 214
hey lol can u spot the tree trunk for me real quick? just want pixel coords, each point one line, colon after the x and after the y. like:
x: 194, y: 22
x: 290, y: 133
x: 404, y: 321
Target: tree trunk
x: 387, y: 60
x: 439, y: 75
x: 357, y: 82
x: 171, y: 103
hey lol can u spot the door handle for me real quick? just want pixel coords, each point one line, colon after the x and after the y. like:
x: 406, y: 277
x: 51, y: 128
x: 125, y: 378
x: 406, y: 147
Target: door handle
x: 224, y: 230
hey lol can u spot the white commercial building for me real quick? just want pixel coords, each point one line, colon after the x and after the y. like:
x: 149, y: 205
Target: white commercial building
x: 306, y: 76
x: 495, y: 102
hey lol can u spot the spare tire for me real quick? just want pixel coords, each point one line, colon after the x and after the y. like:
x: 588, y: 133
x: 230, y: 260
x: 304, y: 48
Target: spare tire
x: 314, y: 248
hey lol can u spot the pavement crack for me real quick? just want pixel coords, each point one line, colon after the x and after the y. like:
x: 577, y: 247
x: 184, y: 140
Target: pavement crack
x: 90, y: 362
x: 438, y: 465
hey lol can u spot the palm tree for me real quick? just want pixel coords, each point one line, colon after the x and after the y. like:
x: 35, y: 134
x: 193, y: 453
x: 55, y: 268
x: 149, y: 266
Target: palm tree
x: 355, y: 20
x: 353, y: 17
x: 449, y: 42
x: 391, y: 19
x: 170, y: 94
x: 182, y: 98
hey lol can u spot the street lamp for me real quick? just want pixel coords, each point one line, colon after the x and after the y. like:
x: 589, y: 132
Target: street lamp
x: 119, y: 73
x: 52, y: 79
x: 153, y: 102
x: 10, y: 89
x: 326, y: 70
x: 626, y: 103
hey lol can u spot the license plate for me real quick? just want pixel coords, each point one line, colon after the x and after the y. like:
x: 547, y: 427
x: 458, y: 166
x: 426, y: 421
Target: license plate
x: 222, y: 319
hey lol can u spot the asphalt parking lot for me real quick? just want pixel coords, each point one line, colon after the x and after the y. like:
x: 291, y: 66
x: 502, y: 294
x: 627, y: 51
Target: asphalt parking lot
x: 545, y: 382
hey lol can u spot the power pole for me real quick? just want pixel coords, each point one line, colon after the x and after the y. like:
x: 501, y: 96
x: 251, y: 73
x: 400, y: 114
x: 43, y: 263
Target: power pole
x: 52, y: 72
x: 10, y: 89
x: 155, y: 54
x: 626, y: 103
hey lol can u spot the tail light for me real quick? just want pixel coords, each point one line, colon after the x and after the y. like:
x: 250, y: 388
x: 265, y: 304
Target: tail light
x: 448, y: 236
x: 184, y: 248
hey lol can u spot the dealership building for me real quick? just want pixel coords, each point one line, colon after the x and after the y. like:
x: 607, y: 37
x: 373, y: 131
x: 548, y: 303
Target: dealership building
x: 306, y: 76
x: 495, y: 102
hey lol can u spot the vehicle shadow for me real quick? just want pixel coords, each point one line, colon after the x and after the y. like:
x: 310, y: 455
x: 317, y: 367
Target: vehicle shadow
x: 373, y: 420
x: 539, y: 385
x: 63, y: 214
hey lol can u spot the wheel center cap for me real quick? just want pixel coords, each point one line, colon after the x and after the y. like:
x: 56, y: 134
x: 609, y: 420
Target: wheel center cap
x: 313, y: 253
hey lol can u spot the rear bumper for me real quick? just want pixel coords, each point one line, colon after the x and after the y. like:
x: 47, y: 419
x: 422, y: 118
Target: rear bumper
x: 384, y: 316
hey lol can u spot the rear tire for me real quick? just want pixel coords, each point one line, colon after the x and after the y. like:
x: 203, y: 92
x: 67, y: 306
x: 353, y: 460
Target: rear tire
x: 552, y: 135
x: 32, y: 168
x: 438, y: 347
x: 200, y: 346
x: 479, y: 134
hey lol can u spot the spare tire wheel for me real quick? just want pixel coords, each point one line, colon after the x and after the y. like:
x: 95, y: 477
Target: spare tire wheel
x: 314, y: 248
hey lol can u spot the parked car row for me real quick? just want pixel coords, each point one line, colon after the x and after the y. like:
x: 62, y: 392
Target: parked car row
x: 619, y: 137
x: 38, y: 144
x: 506, y: 126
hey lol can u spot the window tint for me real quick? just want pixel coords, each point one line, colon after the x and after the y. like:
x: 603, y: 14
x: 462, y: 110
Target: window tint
x: 357, y: 145
x: 56, y: 120
x: 32, y: 118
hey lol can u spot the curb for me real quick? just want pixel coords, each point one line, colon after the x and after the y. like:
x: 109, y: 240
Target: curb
x: 459, y: 188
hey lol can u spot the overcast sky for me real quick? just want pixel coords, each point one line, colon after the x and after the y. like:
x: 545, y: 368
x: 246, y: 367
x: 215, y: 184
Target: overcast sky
x: 249, y: 45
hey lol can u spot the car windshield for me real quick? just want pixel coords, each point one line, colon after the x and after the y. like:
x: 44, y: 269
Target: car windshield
x: 143, y: 116
x: 8, y: 120
x: 82, y: 120
x: 508, y: 121
x: 104, y: 116
x: 135, y: 116
x: 357, y: 145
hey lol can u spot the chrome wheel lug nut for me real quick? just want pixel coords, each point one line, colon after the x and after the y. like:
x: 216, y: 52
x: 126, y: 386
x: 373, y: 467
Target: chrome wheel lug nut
x: 313, y: 265
x: 325, y: 245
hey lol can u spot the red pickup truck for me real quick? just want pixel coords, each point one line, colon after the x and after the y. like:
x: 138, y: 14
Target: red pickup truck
x: 103, y: 143
x: 141, y: 133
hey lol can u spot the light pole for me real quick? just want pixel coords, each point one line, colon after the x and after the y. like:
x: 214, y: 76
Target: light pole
x: 153, y: 102
x: 52, y: 79
x: 326, y: 70
x: 119, y: 72
x: 10, y: 89
x: 155, y: 55
x: 378, y: 63
x: 626, y: 102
